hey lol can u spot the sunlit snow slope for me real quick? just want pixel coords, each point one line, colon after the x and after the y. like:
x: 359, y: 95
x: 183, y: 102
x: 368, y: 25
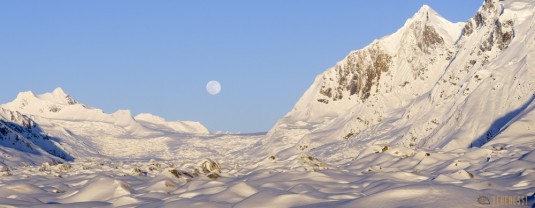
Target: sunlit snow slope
x: 431, y: 84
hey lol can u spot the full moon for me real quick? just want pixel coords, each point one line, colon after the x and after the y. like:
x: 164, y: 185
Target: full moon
x: 213, y: 87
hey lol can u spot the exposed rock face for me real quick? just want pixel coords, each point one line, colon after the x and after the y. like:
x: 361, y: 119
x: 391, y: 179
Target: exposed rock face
x: 20, y: 132
x: 360, y: 72
x: 357, y: 74
x: 352, y: 92
x: 500, y: 28
x: 505, y: 33
x: 430, y: 38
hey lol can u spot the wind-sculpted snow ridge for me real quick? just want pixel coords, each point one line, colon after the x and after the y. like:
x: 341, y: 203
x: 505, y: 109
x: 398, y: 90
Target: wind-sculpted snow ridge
x: 438, y: 114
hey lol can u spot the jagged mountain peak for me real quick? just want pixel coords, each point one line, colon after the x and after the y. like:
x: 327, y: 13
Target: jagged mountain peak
x: 486, y: 17
x: 58, y: 105
x: 425, y: 8
x: 57, y: 96
x: 423, y: 78
x: 424, y: 13
x: 428, y: 20
x: 409, y: 51
x: 387, y: 73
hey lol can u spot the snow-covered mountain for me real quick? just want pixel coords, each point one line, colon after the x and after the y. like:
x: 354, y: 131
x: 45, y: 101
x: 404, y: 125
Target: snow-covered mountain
x: 438, y: 114
x: 431, y: 84
x: 24, y: 143
x: 54, y: 126
x: 57, y: 105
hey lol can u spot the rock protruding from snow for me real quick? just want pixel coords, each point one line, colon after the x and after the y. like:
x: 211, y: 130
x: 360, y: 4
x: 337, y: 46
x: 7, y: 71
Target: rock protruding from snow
x: 209, y: 168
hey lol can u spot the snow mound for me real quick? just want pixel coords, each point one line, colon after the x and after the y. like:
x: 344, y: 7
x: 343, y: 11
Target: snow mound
x: 420, y: 196
x: 101, y: 188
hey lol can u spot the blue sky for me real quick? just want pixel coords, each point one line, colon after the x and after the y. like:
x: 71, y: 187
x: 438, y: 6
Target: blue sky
x: 157, y: 56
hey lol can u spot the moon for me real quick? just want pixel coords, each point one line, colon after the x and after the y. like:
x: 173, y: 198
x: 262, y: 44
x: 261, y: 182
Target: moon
x: 213, y: 87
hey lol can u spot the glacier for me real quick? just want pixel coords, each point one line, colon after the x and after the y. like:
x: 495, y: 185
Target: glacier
x: 437, y: 114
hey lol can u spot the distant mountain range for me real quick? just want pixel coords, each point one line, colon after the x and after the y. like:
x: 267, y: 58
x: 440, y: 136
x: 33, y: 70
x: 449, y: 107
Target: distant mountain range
x: 54, y: 126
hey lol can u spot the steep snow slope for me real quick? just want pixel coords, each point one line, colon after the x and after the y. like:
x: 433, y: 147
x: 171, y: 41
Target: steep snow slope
x: 359, y: 90
x: 24, y: 143
x: 431, y: 84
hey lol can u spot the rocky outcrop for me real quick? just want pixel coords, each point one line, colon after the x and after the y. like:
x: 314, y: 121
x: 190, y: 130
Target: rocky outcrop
x: 420, y: 87
x: 20, y: 132
x: 430, y: 38
x: 357, y: 74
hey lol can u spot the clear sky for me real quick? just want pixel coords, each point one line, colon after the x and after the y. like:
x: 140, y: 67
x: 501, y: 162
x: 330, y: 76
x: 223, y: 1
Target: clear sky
x: 157, y: 56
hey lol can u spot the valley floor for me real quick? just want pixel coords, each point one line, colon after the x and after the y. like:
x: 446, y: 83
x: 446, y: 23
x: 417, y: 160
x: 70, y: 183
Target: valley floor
x: 377, y: 177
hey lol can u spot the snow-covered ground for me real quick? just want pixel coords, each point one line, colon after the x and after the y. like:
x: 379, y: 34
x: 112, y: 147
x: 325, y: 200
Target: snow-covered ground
x: 438, y: 114
x: 378, y: 177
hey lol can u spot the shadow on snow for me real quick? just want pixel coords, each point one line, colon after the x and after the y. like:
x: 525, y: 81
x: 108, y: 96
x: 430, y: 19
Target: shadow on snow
x: 30, y: 138
x: 499, y: 125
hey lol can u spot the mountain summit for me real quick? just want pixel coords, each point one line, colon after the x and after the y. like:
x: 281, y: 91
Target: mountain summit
x: 431, y: 84
x: 54, y: 126
x: 58, y: 105
x: 54, y: 105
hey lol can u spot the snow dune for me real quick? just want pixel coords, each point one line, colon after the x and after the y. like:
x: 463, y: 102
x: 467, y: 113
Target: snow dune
x: 390, y: 178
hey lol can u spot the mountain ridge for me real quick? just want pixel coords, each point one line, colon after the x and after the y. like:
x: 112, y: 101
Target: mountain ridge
x: 414, y: 97
x: 54, y: 127
x: 59, y: 105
